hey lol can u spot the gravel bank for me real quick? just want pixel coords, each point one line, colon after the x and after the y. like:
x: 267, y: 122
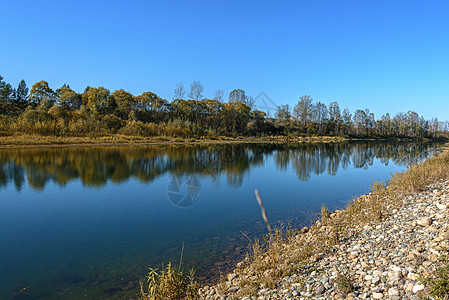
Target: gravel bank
x: 387, y: 259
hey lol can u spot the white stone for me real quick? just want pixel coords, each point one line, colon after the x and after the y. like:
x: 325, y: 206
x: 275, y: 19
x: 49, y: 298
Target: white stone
x: 378, y: 295
x: 369, y: 277
x: 424, y: 222
x: 393, y: 292
x: 417, y: 288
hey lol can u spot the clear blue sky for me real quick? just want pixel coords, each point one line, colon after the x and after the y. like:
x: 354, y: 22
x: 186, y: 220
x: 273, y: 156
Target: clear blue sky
x: 388, y: 56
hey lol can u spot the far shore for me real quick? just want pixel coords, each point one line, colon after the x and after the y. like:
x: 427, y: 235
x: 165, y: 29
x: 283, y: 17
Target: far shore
x: 18, y: 141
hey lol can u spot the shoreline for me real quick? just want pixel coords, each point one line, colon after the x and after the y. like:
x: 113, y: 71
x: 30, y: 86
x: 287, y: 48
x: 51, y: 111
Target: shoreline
x: 381, y: 246
x: 30, y: 141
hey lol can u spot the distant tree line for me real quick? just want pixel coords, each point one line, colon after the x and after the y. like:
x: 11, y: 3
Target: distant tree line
x: 97, y: 111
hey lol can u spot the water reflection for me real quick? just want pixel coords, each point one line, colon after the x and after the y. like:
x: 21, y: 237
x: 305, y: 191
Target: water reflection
x: 96, y: 166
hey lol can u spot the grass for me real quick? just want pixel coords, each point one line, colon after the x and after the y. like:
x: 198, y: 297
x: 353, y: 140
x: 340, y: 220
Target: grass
x: 169, y: 284
x: 116, y: 139
x: 439, y: 283
x: 284, y: 251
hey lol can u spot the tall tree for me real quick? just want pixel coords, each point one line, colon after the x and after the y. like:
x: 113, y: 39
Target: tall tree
x: 303, y: 109
x: 196, y: 91
x: 22, y: 95
x: 334, y: 116
x: 319, y: 115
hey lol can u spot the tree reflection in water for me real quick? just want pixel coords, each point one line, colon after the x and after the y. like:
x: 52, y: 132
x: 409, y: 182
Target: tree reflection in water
x: 96, y: 166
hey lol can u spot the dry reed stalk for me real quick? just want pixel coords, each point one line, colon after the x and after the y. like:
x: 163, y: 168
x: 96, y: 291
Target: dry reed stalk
x: 264, y: 212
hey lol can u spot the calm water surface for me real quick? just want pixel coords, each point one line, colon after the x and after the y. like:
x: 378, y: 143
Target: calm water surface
x: 89, y: 221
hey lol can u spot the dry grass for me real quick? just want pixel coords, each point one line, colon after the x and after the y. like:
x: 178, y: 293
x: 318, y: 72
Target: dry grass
x: 284, y: 251
x: 169, y: 284
x: 117, y: 139
x: 439, y: 282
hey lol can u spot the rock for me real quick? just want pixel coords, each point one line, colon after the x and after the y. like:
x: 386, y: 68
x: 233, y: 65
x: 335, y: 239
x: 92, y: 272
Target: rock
x: 319, y: 290
x: 417, y: 288
x: 378, y: 295
x: 369, y: 277
x: 304, y: 230
x: 233, y: 289
x: 393, y: 292
x: 231, y: 276
x: 424, y: 222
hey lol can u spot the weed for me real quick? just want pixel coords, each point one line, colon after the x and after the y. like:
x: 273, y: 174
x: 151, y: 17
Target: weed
x: 439, y: 284
x: 169, y: 283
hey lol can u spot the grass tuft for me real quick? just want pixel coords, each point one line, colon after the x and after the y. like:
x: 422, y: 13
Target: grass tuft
x: 169, y: 284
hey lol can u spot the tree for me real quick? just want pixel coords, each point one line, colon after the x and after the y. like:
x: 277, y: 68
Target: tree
x: 196, y: 91
x: 180, y: 92
x: 125, y: 103
x: 347, y: 120
x: 303, y: 109
x: 99, y: 100
x: 42, y: 94
x: 334, y: 116
x: 6, y: 97
x: 237, y: 95
x: 218, y: 95
x: 283, y: 113
x: 319, y: 115
x: 236, y: 116
x: 22, y: 95
x: 359, y: 120
x: 68, y: 99
x: 153, y: 104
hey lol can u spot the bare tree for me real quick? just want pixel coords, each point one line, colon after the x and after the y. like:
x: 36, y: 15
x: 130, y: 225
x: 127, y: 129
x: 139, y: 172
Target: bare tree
x: 218, y: 95
x: 180, y: 92
x: 303, y: 109
x: 196, y: 91
x: 283, y: 113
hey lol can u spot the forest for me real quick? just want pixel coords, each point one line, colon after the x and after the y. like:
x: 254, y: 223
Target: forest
x: 96, y: 112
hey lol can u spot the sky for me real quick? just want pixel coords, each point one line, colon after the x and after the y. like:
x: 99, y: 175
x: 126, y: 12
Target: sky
x: 388, y: 56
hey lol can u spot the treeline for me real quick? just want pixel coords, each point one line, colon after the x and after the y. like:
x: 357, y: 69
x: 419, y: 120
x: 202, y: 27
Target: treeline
x: 97, y: 111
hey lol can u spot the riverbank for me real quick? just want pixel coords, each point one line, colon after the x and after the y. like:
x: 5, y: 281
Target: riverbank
x: 117, y: 140
x: 385, y: 245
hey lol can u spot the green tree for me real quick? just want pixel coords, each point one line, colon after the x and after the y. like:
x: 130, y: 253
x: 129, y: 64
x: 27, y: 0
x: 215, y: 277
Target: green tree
x: 6, y: 97
x: 22, y: 96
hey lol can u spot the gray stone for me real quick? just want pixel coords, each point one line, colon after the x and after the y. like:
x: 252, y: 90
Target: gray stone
x: 319, y: 290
